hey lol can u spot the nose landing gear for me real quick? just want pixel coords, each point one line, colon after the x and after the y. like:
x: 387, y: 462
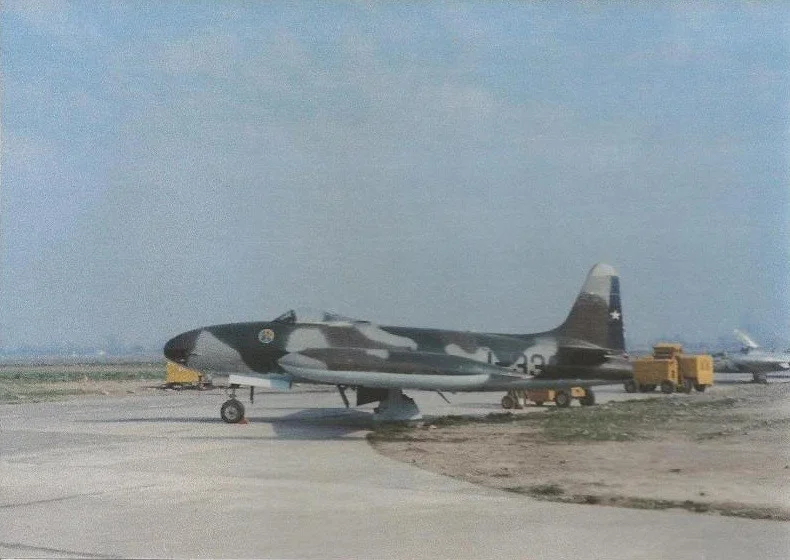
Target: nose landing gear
x: 232, y: 411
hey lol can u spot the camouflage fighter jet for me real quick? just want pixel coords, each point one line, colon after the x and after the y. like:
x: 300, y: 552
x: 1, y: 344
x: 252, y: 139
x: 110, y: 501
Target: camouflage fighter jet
x: 379, y: 362
x: 751, y: 359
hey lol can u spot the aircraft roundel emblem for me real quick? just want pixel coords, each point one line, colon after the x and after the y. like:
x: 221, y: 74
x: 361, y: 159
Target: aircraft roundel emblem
x: 266, y: 336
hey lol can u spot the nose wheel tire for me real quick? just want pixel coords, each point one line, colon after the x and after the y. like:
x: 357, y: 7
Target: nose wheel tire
x: 232, y: 411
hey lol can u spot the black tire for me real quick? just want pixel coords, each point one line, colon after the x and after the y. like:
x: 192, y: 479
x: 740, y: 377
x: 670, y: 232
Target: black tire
x: 630, y: 386
x: 648, y: 388
x: 232, y: 411
x: 588, y: 399
x: 760, y: 378
x: 562, y: 399
x: 538, y: 403
x: 688, y: 385
x: 700, y: 388
x: 508, y: 402
x: 667, y: 387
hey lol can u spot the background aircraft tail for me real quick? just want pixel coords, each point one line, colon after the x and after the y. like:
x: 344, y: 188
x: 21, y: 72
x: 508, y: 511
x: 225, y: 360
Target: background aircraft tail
x: 747, y: 341
x: 597, y: 315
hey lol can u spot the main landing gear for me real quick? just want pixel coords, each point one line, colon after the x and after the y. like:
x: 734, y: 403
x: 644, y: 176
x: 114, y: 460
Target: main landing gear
x: 760, y: 378
x: 396, y: 407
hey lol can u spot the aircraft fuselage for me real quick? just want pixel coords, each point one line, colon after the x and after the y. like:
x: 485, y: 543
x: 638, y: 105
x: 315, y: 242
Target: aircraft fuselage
x: 256, y: 347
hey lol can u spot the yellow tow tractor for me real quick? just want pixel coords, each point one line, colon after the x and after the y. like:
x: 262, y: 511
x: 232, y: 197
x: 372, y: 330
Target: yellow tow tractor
x: 560, y: 397
x: 671, y: 370
x: 179, y: 377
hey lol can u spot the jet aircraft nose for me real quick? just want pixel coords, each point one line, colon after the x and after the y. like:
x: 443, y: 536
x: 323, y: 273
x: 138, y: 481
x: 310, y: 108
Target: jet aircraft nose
x: 179, y: 348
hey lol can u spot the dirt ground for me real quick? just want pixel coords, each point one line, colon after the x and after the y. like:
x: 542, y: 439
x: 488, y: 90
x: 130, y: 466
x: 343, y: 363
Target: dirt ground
x: 726, y: 451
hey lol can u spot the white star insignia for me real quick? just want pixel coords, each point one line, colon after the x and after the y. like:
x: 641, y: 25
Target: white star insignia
x: 615, y: 315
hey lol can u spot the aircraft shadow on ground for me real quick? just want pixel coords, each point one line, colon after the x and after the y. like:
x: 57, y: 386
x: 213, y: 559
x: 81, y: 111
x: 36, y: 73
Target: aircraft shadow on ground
x: 310, y: 424
x: 722, y: 379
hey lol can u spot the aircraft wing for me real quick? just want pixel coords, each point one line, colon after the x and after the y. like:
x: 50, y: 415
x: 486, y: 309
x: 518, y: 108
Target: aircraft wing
x: 274, y: 381
x: 383, y: 369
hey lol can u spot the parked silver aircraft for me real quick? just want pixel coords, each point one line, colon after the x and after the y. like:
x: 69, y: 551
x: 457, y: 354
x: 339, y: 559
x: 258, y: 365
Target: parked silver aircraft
x: 379, y: 362
x: 751, y: 359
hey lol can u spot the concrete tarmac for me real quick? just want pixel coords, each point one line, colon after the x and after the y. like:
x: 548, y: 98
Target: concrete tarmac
x: 161, y: 476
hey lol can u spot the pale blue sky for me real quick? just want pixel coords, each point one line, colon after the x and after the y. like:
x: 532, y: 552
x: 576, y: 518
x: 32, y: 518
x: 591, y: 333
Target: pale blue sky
x: 167, y: 165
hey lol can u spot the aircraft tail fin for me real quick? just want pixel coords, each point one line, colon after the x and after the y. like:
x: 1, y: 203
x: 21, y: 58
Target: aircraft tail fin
x: 597, y: 314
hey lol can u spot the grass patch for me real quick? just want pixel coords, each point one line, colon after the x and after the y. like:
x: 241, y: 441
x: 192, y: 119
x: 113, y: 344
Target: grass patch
x: 585, y: 424
x: 33, y: 393
x: 621, y: 421
x: 555, y: 493
x: 642, y: 419
x: 546, y: 490
x: 393, y: 431
x: 37, y: 383
x: 92, y: 372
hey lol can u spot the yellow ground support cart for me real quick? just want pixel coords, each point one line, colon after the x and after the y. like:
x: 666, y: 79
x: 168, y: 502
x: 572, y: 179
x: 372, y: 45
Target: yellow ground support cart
x: 560, y: 397
x: 698, y: 368
x: 671, y: 370
x: 178, y: 376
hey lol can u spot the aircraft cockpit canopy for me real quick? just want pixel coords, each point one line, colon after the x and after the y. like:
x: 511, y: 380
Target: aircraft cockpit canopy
x: 315, y: 316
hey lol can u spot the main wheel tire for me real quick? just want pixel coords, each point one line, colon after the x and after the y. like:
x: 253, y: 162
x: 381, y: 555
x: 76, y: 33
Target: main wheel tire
x: 667, y: 387
x: 760, y: 378
x: 588, y: 399
x: 232, y: 411
x: 538, y: 403
x: 647, y: 388
x: 562, y: 399
x: 508, y: 402
x: 699, y: 387
x: 688, y: 385
x: 631, y: 386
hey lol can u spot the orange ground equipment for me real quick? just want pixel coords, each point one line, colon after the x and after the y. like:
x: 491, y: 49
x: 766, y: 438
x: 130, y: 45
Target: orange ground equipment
x: 671, y: 370
x: 560, y: 397
x: 178, y: 376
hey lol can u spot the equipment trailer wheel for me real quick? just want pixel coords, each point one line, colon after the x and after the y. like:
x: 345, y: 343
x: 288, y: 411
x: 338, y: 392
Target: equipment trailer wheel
x: 232, y: 411
x: 508, y: 402
x: 588, y: 399
x: 667, y: 387
x: 688, y: 384
x: 562, y: 399
x: 631, y: 386
x: 700, y: 388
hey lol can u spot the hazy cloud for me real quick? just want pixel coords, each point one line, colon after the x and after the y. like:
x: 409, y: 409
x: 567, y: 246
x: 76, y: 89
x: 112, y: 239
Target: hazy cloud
x: 457, y: 166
